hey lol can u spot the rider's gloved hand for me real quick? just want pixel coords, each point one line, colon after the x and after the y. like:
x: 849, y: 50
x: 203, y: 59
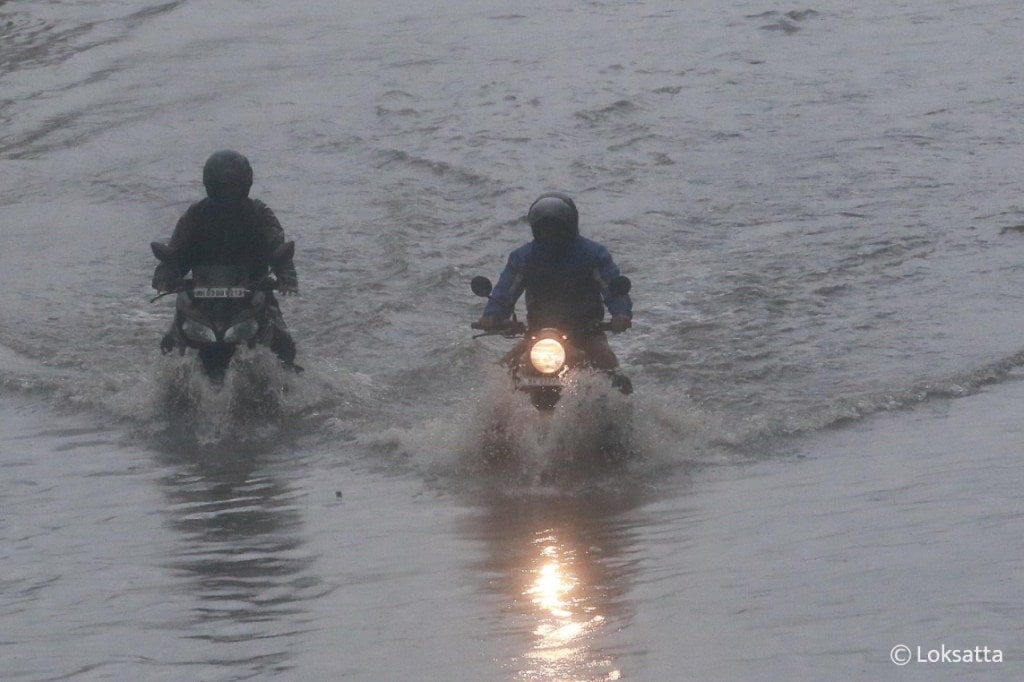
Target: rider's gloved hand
x: 288, y: 288
x: 487, y: 323
x: 166, y: 285
x: 620, y: 323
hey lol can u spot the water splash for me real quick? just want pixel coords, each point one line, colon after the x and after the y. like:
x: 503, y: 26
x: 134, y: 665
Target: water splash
x: 595, y: 436
x: 249, y: 404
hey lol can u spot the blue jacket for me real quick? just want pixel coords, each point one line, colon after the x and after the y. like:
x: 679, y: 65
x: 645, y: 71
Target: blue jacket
x: 563, y: 288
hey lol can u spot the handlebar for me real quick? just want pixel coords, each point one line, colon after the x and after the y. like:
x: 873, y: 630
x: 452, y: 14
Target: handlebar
x: 515, y: 328
x: 509, y: 329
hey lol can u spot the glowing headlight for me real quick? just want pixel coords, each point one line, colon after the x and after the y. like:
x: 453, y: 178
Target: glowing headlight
x: 199, y: 333
x: 243, y: 331
x: 547, y: 356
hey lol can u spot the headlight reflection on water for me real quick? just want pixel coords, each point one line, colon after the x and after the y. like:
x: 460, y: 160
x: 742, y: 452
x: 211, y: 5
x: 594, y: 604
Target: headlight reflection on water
x: 566, y: 619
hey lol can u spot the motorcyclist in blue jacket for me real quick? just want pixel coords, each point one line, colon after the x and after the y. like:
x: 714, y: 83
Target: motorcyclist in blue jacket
x: 566, y: 279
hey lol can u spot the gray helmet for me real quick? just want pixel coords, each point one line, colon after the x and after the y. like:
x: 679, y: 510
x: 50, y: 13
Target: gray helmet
x: 554, y: 216
x: 227, y: 175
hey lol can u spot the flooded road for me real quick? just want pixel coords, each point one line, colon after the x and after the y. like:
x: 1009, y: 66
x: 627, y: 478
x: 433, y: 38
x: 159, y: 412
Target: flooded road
x: 820, y: 212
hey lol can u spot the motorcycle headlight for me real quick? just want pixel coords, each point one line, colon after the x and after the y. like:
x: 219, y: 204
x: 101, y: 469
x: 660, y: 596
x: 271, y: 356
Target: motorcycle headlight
x: 243, y: 331
x: 547, y: 356
x: 197, y: 332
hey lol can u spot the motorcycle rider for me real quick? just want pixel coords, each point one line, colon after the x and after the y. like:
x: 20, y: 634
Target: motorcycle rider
x: 566, y: 280
x: 229, y: 228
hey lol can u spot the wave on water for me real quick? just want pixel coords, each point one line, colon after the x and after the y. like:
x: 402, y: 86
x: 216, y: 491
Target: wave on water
x: 172, y: 404
x: 491, y: 433
x: 954, y: 385
x: 750, y: 436
x: 596, y: 436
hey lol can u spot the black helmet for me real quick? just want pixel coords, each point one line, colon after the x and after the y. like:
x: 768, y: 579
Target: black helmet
x: 227, y: 175
x: 553, y: 217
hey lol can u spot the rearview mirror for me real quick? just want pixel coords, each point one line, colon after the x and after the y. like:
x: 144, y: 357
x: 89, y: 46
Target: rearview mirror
x: 163, y: 253
x: 481, y: 286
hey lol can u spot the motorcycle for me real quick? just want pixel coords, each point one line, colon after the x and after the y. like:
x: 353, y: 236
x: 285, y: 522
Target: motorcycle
x: 218, y: 309
x: 547, y: 362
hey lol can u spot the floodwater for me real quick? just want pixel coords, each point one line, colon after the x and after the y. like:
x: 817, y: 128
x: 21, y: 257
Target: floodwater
x: 820, y: 211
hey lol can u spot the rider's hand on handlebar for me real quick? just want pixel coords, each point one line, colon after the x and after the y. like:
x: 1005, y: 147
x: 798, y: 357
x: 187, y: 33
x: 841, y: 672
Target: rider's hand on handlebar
x: 288, y: 288
x: 620, y: 323
x: 166, y: 285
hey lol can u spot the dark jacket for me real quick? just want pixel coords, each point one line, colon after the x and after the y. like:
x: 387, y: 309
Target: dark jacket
x: 566, y: 288
x: 214, y: 234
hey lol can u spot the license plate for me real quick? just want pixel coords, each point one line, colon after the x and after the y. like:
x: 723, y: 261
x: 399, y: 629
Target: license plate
x: 539, y: 381
x: 219, y: 292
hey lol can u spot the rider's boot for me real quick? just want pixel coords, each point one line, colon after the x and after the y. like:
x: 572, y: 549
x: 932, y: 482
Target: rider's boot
x: 168, y: 342
x: 283, y: 346
x: 621, y: 382
x: 281, y: 341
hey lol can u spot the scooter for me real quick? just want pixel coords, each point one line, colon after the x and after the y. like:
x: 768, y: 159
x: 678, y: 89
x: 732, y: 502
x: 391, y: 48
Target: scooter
x: 218, y: 309
x: 547, y: 362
